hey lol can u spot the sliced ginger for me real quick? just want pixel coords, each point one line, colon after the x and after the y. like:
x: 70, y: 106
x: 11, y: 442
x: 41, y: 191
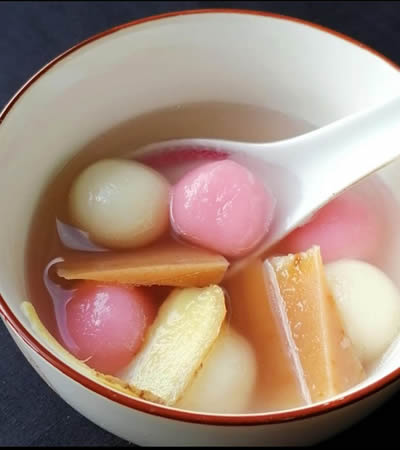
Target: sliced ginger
x: 187, y: 325
x: 327, y: 359
x: 170, y: 264
x: 283, y: 306
x: 285, y: 309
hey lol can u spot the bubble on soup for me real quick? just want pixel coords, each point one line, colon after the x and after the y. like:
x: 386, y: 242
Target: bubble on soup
x: 60, y: 297
x: 120, y: 203
x: 75, y: 239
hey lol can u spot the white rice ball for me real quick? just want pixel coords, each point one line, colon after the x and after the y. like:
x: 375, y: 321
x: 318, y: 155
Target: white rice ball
x: 227, y: 378
x: 120, y: 203
x: 369, y: 304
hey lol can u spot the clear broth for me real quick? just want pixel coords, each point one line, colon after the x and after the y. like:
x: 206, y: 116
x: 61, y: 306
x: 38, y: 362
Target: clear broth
x: 207, y: 120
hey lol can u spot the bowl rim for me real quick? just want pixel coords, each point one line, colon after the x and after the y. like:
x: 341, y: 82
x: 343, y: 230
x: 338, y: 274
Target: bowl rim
x: 138, y: 404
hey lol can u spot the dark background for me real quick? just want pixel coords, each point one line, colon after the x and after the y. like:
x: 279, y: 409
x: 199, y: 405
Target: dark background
x: 31, y: 34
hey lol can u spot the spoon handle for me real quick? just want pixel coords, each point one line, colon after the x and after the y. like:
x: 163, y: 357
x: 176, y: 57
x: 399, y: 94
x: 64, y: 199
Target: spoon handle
x: 332, y: 158
x: 310, y: 170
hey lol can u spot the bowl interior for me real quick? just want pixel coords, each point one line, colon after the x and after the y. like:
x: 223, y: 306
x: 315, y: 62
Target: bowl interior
x: 247, y: 59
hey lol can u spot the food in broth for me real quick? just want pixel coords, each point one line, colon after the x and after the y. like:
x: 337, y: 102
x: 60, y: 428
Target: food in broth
x: 187, y: 325
x: 135, y: 273
x: 326, y: 363
x: 358, y: 287
x: 222, y: 206
x: 120, y: 203
x: 164, y: 264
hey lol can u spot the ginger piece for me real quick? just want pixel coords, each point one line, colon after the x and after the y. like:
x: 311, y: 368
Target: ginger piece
x: 169, y: 264
x: 285, y: 309
x: 186, y: 327
x: 328, y: 361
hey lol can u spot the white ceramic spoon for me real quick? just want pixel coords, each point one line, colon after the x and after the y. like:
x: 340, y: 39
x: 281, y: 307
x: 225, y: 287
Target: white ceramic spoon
x: 307, y: 171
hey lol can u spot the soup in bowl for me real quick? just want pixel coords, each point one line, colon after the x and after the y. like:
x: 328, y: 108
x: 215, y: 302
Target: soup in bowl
x: 116, y: 281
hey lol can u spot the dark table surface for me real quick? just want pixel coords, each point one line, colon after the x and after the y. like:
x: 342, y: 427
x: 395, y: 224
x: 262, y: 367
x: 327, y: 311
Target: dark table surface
x: 32, y: 33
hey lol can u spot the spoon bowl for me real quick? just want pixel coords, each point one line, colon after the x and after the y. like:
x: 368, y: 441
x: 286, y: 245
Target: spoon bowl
x: 305, y: 172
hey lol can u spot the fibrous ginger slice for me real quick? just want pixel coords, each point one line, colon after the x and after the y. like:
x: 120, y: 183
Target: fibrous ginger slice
x: 257, y: 317
x: 169, y: 264
x: 327, y: 357
x: 187, y: 324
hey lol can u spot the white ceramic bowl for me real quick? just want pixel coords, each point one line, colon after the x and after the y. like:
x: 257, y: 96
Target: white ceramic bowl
x: 262, y: 59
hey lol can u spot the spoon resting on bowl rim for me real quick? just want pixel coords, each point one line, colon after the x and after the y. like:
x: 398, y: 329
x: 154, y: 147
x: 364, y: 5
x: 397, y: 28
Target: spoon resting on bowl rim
x: 305, y: 172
